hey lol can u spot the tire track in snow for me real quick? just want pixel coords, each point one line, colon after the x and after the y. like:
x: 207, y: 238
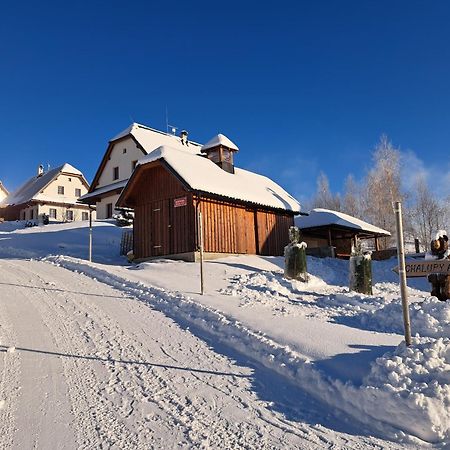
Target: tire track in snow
x: 9, y: 386
x: 199, y: 420
x: 180, y: 412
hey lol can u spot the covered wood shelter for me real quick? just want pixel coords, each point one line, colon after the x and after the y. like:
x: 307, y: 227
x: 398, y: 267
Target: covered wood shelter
x: 334, y: 232
x: 242, y: 212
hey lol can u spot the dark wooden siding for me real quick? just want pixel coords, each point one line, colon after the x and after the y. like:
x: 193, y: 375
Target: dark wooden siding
x: 273, y: 232
x: 231, y: 228
x: 163, y: 226
x: 160, y: 227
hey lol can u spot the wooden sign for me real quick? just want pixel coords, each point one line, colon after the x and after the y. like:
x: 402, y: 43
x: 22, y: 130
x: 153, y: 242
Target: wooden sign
x: 424, y: 268
x: 178, y: 202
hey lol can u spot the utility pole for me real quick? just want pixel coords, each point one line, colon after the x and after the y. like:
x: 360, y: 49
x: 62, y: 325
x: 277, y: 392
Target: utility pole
x: 402, y: 271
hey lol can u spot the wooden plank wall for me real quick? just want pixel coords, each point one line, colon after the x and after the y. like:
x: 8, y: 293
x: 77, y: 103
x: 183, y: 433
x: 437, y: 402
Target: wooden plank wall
x: 273, y: 232
x: 231, y: 228
x: 160, y: 228
x: 227, y: 228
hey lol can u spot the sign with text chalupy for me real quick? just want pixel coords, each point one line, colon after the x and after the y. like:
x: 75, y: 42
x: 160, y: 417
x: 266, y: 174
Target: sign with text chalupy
x: 424, y: 268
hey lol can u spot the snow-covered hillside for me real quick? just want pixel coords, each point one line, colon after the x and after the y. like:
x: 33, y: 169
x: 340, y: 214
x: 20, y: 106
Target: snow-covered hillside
x: 301, y: 366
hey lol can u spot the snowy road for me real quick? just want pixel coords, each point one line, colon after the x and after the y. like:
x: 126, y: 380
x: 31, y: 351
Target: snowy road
x: 84, y: 366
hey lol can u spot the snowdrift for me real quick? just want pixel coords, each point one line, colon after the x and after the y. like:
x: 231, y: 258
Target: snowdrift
x: 405, y: 390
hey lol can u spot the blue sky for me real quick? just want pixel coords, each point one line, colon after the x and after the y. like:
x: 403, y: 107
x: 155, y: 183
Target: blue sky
x: 299, y: 86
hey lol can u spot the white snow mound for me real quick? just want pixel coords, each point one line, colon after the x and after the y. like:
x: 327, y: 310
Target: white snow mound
x: 411, y: 387
x: 430, y: 317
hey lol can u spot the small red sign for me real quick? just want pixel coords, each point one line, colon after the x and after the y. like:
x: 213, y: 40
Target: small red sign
x: 178, y: 202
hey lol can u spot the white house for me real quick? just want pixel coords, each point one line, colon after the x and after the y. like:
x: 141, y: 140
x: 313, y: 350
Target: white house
x: 3, y: 192
x: 54, y: 193
x: 120, y: 159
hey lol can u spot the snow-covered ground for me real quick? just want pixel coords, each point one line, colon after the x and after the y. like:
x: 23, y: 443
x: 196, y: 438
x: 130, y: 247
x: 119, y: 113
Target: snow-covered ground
x: 258, y: 361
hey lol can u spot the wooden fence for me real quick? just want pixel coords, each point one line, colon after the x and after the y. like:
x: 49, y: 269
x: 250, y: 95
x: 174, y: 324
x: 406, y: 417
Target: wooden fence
x: 126, y: 243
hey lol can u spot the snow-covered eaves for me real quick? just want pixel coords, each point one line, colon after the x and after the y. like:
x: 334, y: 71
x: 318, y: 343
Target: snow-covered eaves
x: 96, y: 193
x: 150, y: 139
x: 321, y: 217
x: 202, y: 175
x: 31, y: 189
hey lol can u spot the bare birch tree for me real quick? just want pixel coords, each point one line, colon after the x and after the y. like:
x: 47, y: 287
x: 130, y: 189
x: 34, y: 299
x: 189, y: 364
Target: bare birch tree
x: 351, y: 203
x: 383, y: 186
x: 428, y: 214
x: 324, y: 198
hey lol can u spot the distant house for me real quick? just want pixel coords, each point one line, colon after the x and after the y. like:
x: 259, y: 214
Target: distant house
x: 242, y: 212
x: 120, y: 159
x: 3, y: 192
x: 54, y: 193
x: 326, y: 229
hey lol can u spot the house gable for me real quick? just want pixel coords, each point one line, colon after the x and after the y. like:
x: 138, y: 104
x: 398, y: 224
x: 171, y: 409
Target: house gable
x: 70, y: 184
x: 152, y: 182
x: 120, y: 153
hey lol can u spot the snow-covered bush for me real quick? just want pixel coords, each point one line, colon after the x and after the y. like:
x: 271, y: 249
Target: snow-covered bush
x: 124, y: 218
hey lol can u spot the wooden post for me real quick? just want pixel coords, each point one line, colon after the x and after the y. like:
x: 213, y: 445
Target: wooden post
x: 90, y: 233
x: 417, y: 245
x: 377, y: 244
x: 402, y: 271
x: 200, y: 243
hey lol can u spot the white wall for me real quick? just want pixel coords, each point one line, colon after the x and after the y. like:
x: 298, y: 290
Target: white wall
x: 121, y: 160
x: 102, y: 208
x: 61, y: 212
x: 70, y: 183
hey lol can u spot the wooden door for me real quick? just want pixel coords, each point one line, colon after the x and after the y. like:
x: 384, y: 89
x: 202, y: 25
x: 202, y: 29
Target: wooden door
x: 159, y: 228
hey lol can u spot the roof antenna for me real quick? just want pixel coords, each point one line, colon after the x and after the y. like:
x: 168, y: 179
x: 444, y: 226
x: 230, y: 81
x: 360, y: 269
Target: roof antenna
x: 167, y: 120
x: 48, y: 167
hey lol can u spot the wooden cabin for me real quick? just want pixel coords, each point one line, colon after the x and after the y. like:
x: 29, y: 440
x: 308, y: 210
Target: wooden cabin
x: 332, y: 233
x: 242, y: 212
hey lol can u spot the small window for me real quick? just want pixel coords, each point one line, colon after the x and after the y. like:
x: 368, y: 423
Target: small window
x: 69, y: 215
x: 109, y: 210
x: 84, y: 216
x: 77, y: 192
x: 61, y: 190
x: 70, y: 179
x: 32, y: 214
x: 52, y: 213
x: 133, y: 165
x: 115, y: 173
x: 124, y: 151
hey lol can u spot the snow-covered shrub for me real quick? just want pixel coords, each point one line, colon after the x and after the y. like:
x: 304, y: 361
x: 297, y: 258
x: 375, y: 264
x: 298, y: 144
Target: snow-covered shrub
x: 124, y: 218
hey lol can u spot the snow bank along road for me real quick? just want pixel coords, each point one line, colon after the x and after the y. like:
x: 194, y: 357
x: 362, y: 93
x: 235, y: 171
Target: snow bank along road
x: 84, y: 366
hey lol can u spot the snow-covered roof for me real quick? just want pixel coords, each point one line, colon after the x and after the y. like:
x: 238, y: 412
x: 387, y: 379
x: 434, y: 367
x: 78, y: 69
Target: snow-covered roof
x: 103, y: 190
x: 149, y: 139
x: 31, y: 189
x: 321, y: 217
x: 201, y: 174
x: 220, y: 139
x: 2, y: 188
